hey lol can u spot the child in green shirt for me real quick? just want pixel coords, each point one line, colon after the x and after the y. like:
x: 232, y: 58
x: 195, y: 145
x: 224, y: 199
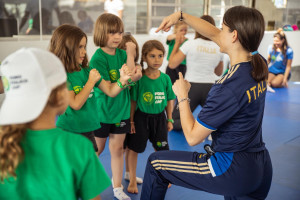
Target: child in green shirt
x: 115, y: 112
x: 127, y: 37
x: 180, y: 30
x: 152, y: 96
x: 68, y: 42
x: 38, y: 160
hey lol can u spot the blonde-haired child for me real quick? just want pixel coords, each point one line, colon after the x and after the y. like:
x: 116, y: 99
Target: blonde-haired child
x: 115, y: 112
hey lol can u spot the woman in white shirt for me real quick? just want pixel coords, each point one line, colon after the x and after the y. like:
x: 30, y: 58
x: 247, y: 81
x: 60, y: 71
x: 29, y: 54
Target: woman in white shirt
x: 204, y: 63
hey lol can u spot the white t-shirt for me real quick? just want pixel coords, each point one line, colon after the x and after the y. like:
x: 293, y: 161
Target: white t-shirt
x: 202, y: 57
x: 113, y: 6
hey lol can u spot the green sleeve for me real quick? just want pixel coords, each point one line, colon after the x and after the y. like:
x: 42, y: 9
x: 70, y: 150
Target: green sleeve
x: 102, y: 66
x: 69, y: 84
x: 170, y: 93
x: 94, y: 179
x: 98, y: 83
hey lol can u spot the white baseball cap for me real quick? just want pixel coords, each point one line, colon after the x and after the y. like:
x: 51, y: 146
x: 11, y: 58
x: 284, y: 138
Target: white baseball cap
x: 28, y: 75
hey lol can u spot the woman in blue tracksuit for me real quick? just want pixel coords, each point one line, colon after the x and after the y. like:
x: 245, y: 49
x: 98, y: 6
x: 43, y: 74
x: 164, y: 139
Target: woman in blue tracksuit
x: 238, y: 164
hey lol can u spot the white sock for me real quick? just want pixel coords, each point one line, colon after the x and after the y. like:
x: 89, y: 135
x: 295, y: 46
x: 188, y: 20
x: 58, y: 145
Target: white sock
x: 138, y: 179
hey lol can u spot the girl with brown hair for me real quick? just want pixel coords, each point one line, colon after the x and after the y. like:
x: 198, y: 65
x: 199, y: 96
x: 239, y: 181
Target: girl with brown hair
x: 127, y: 37
x: 280, y: 57
x: 68, y: 42
x: 152, y: 98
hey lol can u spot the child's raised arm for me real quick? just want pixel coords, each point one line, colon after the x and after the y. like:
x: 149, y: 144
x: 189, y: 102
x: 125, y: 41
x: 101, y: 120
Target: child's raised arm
x: 76, y: 101
x: 131, y: 54
x: 176, y: 57
x: 171, y: 37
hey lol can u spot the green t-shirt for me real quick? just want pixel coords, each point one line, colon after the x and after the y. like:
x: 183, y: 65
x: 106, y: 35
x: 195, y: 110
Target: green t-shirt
x: 112, y: 110
x: 57, y: 165
x: 152, y: 95
x: 85, y: 119
x: 171, y: 44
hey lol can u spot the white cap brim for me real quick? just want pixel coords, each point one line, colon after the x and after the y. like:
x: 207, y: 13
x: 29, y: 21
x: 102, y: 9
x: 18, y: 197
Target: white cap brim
x: 23, y: 109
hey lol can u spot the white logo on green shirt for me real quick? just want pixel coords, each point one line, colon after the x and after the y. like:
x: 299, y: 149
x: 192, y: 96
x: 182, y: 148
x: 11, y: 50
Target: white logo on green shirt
x: 159, y: 97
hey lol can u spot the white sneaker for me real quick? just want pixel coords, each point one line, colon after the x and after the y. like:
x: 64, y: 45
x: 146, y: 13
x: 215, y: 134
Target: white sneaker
x: 269, y: 89
x: 120, y: 195
x: 112, y: 182
x: 127, y: 178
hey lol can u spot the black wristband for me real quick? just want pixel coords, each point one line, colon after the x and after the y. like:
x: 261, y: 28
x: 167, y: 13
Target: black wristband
x: 181, y: 18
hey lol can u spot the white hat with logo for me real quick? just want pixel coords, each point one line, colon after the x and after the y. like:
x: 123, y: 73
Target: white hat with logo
x: 28, y: 75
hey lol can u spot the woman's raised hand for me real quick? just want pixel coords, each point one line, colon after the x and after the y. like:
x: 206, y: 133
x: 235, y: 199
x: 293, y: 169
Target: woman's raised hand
x: 168, y: 22
x: 181, y: 87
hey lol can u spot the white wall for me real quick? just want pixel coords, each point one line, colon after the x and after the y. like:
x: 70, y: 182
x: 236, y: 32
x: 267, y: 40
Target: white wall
x: 7, y: 46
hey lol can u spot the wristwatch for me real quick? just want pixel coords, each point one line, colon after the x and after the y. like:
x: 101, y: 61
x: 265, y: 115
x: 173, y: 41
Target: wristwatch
x: 171, y: 120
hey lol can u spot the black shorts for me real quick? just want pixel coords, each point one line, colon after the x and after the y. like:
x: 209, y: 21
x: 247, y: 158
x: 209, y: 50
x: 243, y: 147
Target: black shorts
x: 118, y: 128
x: 148, y: 126
x: 173, y: 73
x: 91, y: 137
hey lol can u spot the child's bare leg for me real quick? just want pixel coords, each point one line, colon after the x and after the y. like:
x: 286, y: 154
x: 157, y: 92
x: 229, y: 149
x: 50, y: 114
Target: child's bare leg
x: 100, y: 144
x: 132, y: 163
x: 116, y: 151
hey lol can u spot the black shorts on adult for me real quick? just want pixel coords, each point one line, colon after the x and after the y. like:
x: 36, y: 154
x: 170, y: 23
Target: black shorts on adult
x: 148, y: 126
x: 118, y: 128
